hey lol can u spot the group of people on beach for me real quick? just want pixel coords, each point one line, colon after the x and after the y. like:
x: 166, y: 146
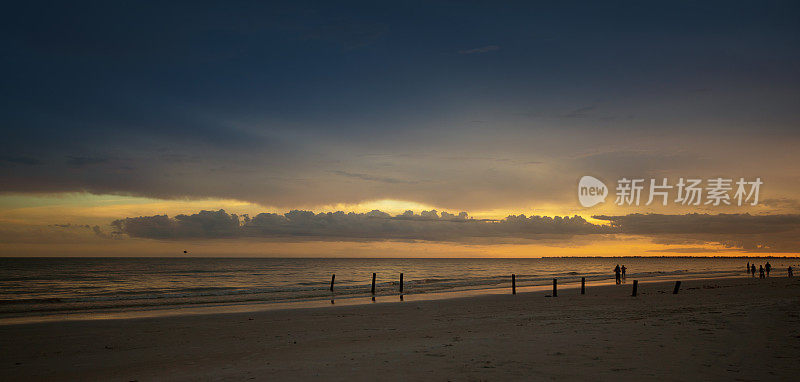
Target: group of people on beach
x: 763, y: 269
x: 620, y: 274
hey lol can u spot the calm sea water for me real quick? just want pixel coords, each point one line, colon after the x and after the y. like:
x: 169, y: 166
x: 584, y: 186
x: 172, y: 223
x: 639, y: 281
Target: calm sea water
x: 42, y: 285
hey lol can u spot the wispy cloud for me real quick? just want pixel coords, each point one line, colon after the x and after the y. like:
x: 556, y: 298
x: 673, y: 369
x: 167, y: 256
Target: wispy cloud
x: 788, y: 204
x: 80, y: 161
x: 686, y: 250
x: 349, y: 34
x: 483, y: 49
x: 579, y: 113
x: 374, y: 178
x: 18, y: 159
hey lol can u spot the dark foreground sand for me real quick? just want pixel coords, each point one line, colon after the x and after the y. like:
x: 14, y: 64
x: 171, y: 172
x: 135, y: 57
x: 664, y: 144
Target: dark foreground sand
x: 725, y: 329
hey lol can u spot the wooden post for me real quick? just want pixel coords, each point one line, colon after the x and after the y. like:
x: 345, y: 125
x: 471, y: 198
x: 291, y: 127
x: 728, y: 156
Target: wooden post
x: 555, y: 287
x: 635, y: 286
x: 583, y: 285
x: 401, y: 282
x: 333, y: 277
x: 513, y: 284
x: 373, y: 284
x: 677, y: 287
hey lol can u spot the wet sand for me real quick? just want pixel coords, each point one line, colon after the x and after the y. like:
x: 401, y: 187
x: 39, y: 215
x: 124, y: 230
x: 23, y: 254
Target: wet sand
x: 720, y: 329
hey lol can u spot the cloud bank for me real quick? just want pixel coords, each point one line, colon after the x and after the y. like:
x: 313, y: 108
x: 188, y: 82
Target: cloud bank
x: 655, y: 224
x: 755, y: 233
x: 374, y: 225
x: 759, y: 233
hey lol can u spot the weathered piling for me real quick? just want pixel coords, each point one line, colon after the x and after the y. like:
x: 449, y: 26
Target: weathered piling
x: 401, y: 282
x: 635, y: 287
x: 513, y: 284
x: 555, y: 287
x: 333, y: 277
x: 583, y: 285
x: 373, y: 283
x: 677, y: 287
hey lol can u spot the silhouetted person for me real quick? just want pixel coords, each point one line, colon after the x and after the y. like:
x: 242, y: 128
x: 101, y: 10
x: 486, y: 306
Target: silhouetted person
x: 748, y: 268
x: 768, y: 268
x: 761, y: 271
x: 753, y: 270
x: 790, y: 271
x: 616, y: 273
x: 623, y: 273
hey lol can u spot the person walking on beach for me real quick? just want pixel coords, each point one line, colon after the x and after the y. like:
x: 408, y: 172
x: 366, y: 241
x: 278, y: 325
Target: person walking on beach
x: 790, y: 271
x: 623, y: 273
x: 753, y: 270
x: 748, y: 268
x: 761, y: 271
x: 616, y: 274
x: 767, y: 268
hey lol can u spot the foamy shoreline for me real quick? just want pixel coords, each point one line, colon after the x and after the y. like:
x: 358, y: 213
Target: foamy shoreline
x: 331, y: 300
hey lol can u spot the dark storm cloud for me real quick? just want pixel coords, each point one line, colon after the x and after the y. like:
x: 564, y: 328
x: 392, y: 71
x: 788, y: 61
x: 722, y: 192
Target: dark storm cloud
x: 375, y: 225
x: 205, y: 224
x: 656, y: 224
x: 276, y: 102
x: 776, y: 233
x: 766, y: 233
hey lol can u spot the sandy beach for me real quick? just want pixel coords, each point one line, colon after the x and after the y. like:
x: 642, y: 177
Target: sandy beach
x: 722, y: 329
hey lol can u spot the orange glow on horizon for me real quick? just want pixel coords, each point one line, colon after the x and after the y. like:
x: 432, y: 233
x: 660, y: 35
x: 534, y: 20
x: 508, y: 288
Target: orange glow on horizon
x: 40, y: 212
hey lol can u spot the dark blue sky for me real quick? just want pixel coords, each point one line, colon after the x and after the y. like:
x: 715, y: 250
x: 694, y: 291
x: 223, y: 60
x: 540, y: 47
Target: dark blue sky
x: 291, y: 103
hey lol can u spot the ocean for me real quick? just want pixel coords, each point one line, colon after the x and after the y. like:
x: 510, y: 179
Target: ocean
x: 42, y: 286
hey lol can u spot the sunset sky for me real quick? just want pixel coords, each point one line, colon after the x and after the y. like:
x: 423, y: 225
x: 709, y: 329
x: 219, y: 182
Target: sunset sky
x: 115, y: 114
